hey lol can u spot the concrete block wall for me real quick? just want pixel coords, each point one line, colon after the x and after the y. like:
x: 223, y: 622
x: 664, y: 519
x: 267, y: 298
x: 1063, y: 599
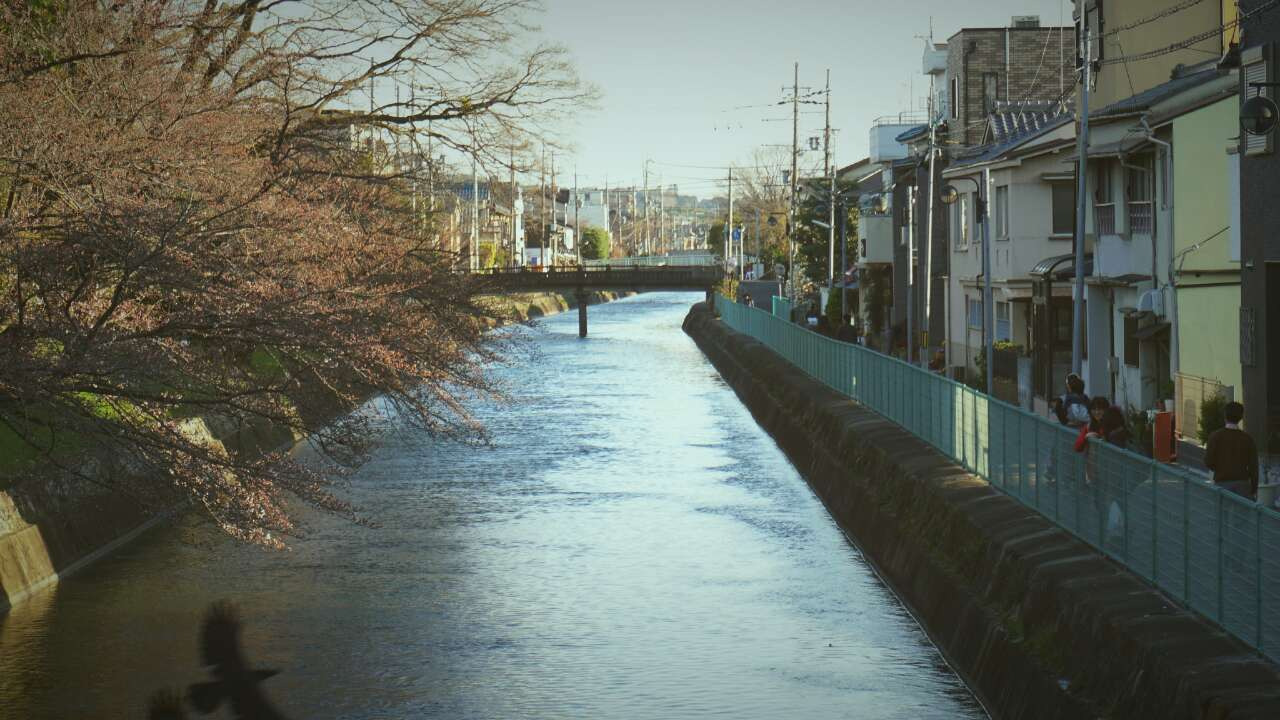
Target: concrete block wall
x: 1039, y: 624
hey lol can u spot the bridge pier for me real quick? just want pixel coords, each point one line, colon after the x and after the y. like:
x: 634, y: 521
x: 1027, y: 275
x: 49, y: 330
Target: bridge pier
x: 581, y: 296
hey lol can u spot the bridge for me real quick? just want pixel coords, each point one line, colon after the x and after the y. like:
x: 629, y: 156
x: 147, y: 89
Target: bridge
x: 581, y: 279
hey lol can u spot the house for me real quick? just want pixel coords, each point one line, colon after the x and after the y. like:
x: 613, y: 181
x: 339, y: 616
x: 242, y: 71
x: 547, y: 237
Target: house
x: 1015, y: 64
x: 1151, y: 123
x: 1259, y: 215
x: 977, y: 72
x: 1030, y: 205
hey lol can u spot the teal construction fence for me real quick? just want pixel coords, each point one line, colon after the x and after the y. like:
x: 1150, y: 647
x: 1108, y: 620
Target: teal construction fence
x: 1215, y: 552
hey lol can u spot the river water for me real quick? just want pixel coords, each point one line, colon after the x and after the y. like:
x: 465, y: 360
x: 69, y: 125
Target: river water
x: 633, y: 547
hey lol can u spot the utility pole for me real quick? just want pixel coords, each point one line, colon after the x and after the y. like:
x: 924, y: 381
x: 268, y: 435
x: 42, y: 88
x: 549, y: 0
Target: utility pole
x: 728, y: 224
x: 911, y: 272
x: 757, y: 243
x: 928, y: 224
x: 474, y: 250
x: 542, y: 211
x: 829, y: 172
x: 512, y: 259
x: 577, y: 226
x: 988, y: 306
x: 646, y: 207
x: 795, y: 156
x: 1082, y: 142
x: 844, y: 243
x: 551, y: 243
x: 662, y: 209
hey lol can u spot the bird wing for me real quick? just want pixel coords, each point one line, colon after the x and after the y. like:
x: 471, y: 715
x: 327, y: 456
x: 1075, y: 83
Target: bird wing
x: 220, y: 640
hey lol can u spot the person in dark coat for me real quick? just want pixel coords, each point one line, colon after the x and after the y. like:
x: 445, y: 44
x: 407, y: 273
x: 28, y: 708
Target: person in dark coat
x: 1232, y: 455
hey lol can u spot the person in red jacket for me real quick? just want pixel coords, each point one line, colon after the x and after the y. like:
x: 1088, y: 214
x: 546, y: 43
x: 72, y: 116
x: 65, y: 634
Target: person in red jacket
x: 1106, y: 422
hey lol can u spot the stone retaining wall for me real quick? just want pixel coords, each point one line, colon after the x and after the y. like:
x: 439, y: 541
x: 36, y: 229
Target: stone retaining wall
x: 1038, y: 623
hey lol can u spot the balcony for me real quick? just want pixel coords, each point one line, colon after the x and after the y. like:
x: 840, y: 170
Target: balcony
x: 1140, y: 217
x: 1104, y: 217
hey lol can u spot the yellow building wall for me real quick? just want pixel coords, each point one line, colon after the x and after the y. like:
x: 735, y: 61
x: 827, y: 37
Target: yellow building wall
x: 1121, y: 80
x: 1200, y: 141
x: 1208, y: 317
x: 1209, y: 333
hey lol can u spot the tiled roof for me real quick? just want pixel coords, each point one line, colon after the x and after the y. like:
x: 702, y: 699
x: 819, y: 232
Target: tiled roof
x: 1011, y: 120
x: 1147, y: 98
x: 1033, y: 130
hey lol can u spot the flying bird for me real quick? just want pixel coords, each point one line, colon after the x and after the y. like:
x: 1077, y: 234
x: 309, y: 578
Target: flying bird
x: 234, y: 684
x: 166, y: 705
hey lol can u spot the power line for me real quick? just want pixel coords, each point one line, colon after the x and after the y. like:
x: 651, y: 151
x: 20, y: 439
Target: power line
x: 1173, y: 10
x: 1194, y: 39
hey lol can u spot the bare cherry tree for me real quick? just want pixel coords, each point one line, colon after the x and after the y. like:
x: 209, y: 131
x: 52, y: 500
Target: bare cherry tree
x: 203, y: 230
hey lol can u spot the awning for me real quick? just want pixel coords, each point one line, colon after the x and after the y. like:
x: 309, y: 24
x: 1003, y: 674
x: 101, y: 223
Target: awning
x: 1150, y: 331
x: 1050, y: 266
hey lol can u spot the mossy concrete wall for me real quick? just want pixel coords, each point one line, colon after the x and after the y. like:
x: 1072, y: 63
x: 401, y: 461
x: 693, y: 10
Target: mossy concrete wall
x: 48, y: 532
x: 1039, y: 624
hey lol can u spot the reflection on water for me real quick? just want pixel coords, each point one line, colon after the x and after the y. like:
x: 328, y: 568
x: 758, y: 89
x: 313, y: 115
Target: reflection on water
x: 633, y: 547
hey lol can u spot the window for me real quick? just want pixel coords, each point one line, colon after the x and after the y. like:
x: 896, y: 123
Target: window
x: 1102, y: 183
x: 1004, y: 322
x: 954, y: 100
x: 990, y: 91
x: 975, y: 313
x: 1130, y: 342
x: 959, y: 224
x: 1002, y: 212
x: 1064, y: 208
x: 1138, y: 172
x: 1104, y: 209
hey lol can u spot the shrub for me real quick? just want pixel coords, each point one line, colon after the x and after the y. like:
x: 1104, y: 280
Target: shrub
x: 1211, y: 417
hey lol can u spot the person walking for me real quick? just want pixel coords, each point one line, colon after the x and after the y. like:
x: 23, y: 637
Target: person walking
x: 1232, y: 455
x: 1072, y: 407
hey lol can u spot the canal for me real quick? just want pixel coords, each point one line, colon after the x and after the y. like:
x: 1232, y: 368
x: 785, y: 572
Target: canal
x: 633, y: 546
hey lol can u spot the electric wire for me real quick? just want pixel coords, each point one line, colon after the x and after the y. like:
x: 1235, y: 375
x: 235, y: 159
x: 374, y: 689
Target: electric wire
x: 1194, y: 39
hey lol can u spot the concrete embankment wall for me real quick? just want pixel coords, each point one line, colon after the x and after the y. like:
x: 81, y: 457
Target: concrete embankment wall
x: 1038, y: 623
x: 48, y: 532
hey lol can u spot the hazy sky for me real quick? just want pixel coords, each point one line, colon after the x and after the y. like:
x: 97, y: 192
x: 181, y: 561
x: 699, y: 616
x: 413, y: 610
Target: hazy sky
x: 672, y: 72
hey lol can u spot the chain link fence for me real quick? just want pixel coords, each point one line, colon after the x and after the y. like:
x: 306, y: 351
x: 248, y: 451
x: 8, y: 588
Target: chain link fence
x: 1214, y: 551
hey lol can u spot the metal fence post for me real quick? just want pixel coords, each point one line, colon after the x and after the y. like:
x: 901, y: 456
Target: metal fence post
x: 1186, y: 541
x: 1219, y: 573
x: 1257, y: 575
x: 1155, y: 523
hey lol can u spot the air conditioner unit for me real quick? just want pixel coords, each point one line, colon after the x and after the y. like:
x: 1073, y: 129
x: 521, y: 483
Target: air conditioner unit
x: 1152, y: 301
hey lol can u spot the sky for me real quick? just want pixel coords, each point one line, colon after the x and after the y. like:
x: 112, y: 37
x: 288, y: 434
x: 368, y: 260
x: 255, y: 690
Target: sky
x: 672, y: 74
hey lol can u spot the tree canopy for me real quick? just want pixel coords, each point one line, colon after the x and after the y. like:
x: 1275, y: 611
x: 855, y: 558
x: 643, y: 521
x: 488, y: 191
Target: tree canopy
x: 200, y: 220
x: 595, y: 243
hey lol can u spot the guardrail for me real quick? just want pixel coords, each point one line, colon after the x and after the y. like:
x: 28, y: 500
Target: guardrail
x: 657, y: 260
x: 1213, y: 551
x: 605, y: 276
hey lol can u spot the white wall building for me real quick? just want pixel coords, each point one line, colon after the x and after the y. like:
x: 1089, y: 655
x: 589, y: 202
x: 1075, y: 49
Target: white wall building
x: 1031, y: 207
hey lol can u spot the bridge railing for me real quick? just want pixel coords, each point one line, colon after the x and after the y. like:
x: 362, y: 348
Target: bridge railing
x: 657, y: 261
x: 1213, y: 551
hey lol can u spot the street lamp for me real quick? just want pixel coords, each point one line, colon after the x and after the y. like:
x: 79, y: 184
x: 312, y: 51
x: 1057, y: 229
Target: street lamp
x: 949, y: 195
x: 1258, y: 113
